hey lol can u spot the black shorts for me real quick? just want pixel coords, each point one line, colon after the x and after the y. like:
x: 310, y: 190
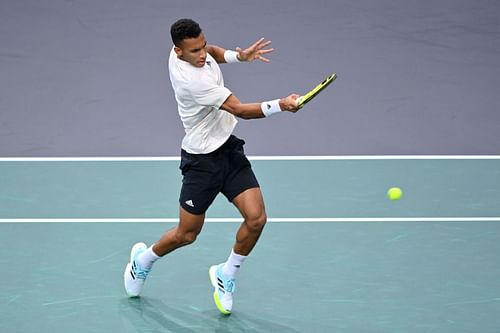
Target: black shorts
x: 225, y: 170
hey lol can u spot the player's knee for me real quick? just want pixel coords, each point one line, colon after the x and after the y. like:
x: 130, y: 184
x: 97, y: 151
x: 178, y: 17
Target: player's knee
x: 190, y: 238
x: 186, y: 238
x: 256, y: 221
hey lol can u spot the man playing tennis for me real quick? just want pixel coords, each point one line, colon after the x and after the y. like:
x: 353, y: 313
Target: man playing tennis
x: 212, y: 159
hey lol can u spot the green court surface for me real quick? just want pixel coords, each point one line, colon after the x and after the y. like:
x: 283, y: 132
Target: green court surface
x: 336, y: 256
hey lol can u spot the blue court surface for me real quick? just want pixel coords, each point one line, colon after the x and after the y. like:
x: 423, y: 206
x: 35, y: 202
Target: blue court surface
x: 415, y: 106
x: 336, y: 256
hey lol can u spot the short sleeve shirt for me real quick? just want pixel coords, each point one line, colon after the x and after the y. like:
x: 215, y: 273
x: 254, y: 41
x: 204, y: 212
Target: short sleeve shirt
x: 200, y: 93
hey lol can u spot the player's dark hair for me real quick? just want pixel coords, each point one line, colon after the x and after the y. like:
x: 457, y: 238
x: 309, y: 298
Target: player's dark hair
x: 183, y: 29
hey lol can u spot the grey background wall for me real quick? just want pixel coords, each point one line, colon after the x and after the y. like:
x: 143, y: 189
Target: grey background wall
x: 90, y: 78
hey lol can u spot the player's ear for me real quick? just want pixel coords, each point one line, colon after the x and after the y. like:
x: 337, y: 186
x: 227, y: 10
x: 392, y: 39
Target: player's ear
x: 178, y: 51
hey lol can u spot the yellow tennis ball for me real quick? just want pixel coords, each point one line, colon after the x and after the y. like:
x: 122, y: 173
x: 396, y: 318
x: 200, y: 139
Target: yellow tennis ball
x: 394, y: 193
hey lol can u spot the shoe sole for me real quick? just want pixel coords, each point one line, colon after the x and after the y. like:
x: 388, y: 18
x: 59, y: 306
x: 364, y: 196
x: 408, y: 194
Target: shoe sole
x: 212, y: 273
x: 129, y: 265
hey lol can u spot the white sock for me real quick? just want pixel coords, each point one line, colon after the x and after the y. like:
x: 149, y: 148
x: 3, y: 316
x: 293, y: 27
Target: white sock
x: 232, y: 264
x: 147, y: 258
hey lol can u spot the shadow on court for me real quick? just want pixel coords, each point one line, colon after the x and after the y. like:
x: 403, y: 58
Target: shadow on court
x: 153, y: 315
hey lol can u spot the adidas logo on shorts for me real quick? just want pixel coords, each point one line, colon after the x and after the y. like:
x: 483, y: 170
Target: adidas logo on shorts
x: 189, y: 203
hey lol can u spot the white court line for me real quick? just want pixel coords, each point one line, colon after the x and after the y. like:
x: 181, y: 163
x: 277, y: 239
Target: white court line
x: 273, y: 220
x: 254, y: 158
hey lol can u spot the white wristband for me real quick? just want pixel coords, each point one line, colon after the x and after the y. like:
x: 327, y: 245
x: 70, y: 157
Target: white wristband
x: 270, y: 107
x: 231, y: 56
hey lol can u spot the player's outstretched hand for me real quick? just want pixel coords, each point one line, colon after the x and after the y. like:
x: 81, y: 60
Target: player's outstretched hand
x: 289, y: 103
x: 255, y: 51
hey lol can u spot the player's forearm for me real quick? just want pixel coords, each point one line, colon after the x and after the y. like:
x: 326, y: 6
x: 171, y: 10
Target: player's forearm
x: 217, y: 53
x: 255, y: 110
x: 244, y: 110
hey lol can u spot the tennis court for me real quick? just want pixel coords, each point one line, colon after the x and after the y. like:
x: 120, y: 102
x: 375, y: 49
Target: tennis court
x: 337, y: 255
x: 415, y: 106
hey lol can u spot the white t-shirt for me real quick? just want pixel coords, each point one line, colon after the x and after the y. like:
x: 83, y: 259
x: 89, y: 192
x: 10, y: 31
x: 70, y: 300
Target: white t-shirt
x: 200, y: 93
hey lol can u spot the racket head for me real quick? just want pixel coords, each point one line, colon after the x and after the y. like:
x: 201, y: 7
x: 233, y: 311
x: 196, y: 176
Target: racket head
x: 303, y: 100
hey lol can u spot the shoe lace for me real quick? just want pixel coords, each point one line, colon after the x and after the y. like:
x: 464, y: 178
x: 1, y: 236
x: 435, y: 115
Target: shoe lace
x: 140, y: 272
x: 229, y: 285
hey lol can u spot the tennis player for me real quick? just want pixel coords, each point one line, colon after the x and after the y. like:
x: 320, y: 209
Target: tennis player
x: 212, y: 159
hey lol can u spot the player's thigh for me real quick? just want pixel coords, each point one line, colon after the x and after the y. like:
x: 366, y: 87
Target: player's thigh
x: 202, y: 180
x: 190, y: 223
x: 251, y: 205
x: 239, y: 176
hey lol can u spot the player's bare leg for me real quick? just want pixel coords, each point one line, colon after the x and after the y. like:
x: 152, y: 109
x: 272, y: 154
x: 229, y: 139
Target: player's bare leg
x: 142, y: 257
x: 251, y: 206
x: 184, y: 233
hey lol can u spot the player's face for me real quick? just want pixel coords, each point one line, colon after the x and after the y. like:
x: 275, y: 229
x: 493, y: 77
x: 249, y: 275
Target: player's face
x: 193, y: 50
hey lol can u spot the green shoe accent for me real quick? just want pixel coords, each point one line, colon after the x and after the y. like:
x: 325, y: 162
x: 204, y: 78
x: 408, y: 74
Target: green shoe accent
x: 219, y: 305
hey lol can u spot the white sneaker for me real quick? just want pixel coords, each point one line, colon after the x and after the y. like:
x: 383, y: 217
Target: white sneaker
x: 134, y: 275
x: 224, y: 289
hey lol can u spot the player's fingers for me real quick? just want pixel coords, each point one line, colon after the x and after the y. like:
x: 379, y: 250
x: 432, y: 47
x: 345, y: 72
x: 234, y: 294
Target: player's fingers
x: 266, y: 51
x: 261, y: 58
x: 264, y: 44
x: 256, y: 44
x: 260, y: 44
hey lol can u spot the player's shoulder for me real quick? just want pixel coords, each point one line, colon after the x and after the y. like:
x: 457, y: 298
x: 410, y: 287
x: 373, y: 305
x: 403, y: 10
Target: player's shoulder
x: 191, y: 85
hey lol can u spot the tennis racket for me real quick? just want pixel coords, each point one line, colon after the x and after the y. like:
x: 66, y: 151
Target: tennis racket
x: 303, y: 100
